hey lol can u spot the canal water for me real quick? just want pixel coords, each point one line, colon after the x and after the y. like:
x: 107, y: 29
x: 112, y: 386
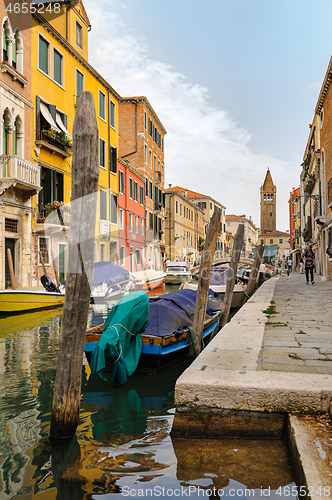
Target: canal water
x: 123, y: 446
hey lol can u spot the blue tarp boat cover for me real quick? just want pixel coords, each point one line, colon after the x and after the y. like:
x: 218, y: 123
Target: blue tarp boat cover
x: 120, y: 344
x: 173, y: 312
x: 109, y: 272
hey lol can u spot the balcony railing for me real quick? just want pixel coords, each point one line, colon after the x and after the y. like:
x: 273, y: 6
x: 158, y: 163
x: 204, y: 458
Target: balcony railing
x: 24, y: 174
x: 157, y: 177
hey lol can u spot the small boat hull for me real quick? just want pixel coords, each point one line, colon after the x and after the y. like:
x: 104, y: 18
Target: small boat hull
x: 18, y: 301
x: 177, y: 278
x: 150, y: 284
x: 238, y: 293
x: 158, y: 353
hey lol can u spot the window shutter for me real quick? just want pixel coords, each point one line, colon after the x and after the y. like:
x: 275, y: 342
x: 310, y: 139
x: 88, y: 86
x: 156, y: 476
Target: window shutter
x: 52, y: 110
x: 38, y: 114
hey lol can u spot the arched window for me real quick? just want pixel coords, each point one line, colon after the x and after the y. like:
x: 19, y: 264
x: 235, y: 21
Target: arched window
x: 6, y: 121
x: 271, y: 196
x: 18, y: 137
x: 268, y: 197
x: 7, y: 41
x: 18, y: 51
x: 264, y: 197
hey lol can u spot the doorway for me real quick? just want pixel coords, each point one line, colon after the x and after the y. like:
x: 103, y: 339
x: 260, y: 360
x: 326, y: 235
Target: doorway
x: 9, y: 243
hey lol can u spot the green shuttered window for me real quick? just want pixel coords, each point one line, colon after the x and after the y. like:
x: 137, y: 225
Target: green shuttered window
x: 57, y: 67
x: 43, y: 55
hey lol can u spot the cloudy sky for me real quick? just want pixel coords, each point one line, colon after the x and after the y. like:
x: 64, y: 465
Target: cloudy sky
x: 234, y: 82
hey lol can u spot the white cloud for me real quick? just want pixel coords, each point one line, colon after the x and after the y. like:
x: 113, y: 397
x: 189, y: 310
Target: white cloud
x: 205, y: 149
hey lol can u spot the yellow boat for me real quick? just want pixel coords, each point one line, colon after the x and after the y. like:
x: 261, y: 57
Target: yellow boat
x: 16, y: 301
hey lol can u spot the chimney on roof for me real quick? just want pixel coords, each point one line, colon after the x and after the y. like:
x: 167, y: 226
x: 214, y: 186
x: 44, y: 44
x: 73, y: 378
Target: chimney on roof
x: 169, y: 187
x: 186, y: 192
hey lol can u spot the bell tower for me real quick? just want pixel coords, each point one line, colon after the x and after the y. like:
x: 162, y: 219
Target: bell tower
x: 268, y: 205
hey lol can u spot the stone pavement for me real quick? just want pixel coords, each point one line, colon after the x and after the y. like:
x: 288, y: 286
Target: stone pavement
x: 298, y: 330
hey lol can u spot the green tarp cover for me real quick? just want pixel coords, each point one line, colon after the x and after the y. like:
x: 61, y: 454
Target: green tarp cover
x: 116, y: 346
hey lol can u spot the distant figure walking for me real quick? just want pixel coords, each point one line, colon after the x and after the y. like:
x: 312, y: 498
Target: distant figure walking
x: 301, y: 265
x: 289, y: 265
x: 309, y: 261
x: 149, y: 264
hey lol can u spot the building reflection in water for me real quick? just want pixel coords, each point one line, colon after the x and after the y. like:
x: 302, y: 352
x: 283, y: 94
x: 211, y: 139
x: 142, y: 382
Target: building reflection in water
x: 123, y: 435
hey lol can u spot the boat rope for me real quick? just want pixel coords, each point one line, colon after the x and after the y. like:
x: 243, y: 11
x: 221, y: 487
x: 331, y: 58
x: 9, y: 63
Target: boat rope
x: 118, y: 324
x: 192, y: 341
x: 240, y: 283
x: 114, y: 326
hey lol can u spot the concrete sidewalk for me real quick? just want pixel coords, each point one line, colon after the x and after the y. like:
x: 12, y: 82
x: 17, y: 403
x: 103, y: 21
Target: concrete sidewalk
x: 298, y: 336
x: 269, y: 365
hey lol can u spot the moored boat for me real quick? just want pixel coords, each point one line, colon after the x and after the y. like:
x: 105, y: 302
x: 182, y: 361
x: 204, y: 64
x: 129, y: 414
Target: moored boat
x: 148, y: 279
x: 218, y: 281
x: 17, y: 301
x: 110, y: 282
x: 166, y: 339
x: 177, y: 273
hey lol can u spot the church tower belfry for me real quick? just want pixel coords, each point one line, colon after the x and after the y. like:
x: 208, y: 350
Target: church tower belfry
x: 268, y: 205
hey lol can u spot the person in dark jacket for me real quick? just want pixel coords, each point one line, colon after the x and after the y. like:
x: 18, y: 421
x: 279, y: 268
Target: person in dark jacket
x: 309, y: 262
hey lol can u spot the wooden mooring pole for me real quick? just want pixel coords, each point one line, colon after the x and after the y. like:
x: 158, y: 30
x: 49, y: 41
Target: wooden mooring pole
x: 238, y: 242
x: 254, y: 272
x: 203, y: 283
x: 11, y: 268
x: 85, y: 175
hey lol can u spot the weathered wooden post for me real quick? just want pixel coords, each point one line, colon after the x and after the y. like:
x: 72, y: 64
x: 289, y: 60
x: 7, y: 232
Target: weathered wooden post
x: 254, y: 271
x: 203, y: 282
x: 11, y: 268
x: 84, y: 187
x: 238, y: 242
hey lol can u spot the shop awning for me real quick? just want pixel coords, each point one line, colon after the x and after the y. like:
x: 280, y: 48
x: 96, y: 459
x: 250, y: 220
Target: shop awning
x: 61, y: 125
x: 48, y: 117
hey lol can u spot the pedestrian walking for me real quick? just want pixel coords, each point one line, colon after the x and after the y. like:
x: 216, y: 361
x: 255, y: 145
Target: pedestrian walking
x: 301, y: 265
x: 289, y: 265
x: 309, y: 261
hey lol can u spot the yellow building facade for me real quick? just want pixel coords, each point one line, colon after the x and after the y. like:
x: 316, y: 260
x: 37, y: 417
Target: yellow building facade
x: 60, y: 71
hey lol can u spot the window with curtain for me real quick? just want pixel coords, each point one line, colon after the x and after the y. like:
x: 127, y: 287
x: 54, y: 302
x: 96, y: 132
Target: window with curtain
x: 43, y: 55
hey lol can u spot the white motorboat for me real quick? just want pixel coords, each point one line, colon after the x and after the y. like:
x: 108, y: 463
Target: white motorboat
x: 177, y: 273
